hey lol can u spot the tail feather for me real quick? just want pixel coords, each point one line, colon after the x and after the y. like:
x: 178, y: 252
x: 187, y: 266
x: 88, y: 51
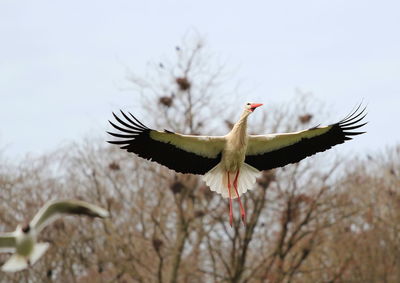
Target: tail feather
x: 217, y: 180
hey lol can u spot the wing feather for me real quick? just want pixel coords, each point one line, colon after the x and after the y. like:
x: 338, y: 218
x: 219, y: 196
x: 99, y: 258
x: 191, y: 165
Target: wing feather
x: 270, y: 151
x: 55, y: 209
x: 182, y: 153
x: 7, y: 242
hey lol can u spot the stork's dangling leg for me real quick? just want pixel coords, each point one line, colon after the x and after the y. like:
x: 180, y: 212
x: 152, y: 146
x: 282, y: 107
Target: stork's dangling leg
x: 230, y: 201
x: 242, y: 211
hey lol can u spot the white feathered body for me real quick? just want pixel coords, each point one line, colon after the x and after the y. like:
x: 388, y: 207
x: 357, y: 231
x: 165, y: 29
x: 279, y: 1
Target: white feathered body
x: 235, y: 149
x: 24, y: 243
x: 232, y: 162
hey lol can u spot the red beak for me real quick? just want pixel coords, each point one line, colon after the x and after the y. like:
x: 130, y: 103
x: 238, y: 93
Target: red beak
x: 255, y: 105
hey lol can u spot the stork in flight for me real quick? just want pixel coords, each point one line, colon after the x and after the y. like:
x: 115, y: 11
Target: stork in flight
x: 236, y: 159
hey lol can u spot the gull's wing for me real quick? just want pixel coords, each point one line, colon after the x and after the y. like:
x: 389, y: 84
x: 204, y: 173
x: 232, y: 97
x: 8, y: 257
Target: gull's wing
x: 55, y: 209
x: 18, y: 262
x: 15, y: 263
x: 7, y: 242
x: 270, y: 151
x: 182, y: 153
x: 38, y: 251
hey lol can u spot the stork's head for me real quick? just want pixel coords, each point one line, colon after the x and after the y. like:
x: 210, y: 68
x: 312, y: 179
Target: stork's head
x: 251, y: 106
x: 25, y: 228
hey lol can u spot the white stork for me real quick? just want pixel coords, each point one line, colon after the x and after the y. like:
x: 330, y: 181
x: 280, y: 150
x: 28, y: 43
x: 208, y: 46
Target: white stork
x: 236, y: 159
x: 22, y: 242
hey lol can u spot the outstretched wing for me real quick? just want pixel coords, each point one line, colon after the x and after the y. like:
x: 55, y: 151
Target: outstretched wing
x: 7, y: 242
x: 55, y: 209
x: 270, y: 151
x: 182, y: 153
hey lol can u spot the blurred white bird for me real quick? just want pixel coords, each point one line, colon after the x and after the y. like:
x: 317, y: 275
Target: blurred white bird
x: 22, y: 242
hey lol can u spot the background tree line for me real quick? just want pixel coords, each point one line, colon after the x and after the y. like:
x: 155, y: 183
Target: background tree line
x: 325, y: 219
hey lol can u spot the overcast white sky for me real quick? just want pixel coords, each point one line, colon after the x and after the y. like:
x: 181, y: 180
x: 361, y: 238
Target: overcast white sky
x: 62, y: 63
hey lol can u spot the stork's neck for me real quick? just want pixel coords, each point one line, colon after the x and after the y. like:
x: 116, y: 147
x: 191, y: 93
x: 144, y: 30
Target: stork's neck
x: 239, y: 131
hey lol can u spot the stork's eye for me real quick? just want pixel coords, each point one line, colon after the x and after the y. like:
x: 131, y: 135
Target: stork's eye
x: 248, y: 103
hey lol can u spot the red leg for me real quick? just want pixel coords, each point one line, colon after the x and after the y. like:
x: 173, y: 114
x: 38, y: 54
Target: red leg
x: 242, y: 211
x: 230, y: 201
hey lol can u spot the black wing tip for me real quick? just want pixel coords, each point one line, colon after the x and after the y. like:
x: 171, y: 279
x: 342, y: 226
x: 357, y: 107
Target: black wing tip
x: 140, y: 123
x: 351, y: 122
x: 129, y: 123
x: 115, y: 115
x: 115, y: 142
x: 136, y: 122
x: 354, y: 114
x: 353, y: 133
x: 124, y: 136
x: 129, y: 128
